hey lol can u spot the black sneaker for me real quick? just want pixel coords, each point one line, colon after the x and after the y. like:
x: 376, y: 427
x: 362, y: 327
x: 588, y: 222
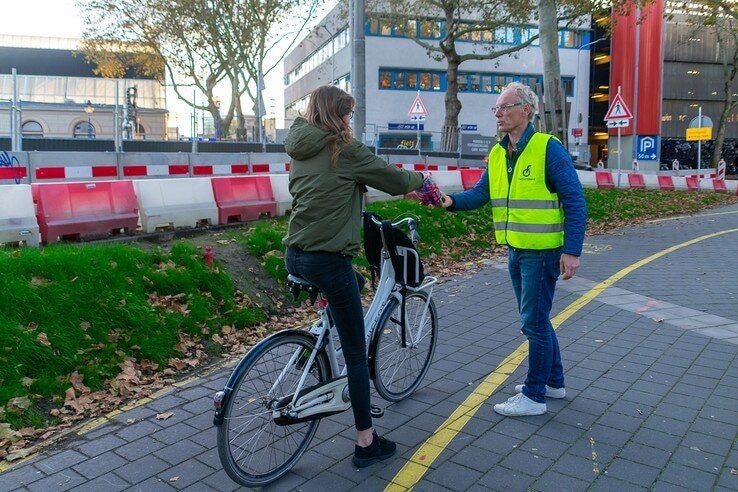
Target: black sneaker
x: 379, y: 449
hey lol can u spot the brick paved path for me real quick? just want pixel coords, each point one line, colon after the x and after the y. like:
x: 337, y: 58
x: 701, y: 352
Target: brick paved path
x: 650, y: 404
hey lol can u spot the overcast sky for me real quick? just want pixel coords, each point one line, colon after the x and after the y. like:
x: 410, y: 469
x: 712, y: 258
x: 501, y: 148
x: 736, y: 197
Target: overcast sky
x: 61, y: 18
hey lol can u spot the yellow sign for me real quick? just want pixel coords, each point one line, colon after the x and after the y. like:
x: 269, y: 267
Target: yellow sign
x: 694, y: 134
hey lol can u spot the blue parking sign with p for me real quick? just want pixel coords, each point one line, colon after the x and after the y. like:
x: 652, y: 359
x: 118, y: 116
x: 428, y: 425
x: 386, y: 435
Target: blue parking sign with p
x: 647, y: 147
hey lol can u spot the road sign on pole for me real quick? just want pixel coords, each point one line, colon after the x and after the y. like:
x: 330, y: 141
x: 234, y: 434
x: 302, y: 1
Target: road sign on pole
x: 417, y: 109
x: 618, y: 116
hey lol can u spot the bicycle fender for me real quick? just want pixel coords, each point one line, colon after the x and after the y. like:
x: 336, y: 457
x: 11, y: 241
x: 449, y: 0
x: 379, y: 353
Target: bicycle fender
x: 222, y: 397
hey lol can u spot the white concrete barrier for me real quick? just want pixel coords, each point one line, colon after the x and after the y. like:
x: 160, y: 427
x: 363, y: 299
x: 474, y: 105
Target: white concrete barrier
x: 281, y: 190
x: 374, y: 195
x: 587, y: 178
x: 448, y: 181
x: 18, y: 215
x: 175, y: 202
x: 680, y: 183
x: 651, y: 181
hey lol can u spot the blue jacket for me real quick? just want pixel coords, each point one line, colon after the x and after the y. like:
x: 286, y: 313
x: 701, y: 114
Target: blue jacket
x: 561, y: 178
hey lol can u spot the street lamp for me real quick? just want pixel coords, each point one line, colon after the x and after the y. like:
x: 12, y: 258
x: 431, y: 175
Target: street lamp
x: 89, y: 110
x: 217, y: 123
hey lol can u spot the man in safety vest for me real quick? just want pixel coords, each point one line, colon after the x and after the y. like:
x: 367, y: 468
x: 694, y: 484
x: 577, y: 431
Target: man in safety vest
x: 539, y: 211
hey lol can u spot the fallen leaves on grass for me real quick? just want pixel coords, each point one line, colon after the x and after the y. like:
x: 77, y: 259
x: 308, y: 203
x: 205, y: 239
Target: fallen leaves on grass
x: 19, y: 404
x: 43, y: 339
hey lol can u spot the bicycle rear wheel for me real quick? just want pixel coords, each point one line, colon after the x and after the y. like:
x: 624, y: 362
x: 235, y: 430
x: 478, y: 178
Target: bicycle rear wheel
x: 253, y: 449
x: 399, y: 371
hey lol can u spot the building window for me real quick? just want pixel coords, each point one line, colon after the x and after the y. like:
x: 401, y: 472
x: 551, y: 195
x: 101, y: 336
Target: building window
x: 385, y: 80
x: 474, y: 82
x: 412, y: 80
x: 568, y: 84
x: 430, y: 29
x: 399, y: 80
x: 487, y: 84
x: 528, y: 33
x: 84, y: 129
x: 500, y: 83
x: 571, y: 39
x: 32, y: 129
x: 385, y: 27
x: 374, y: 26
x: 436, y: 82
x: 463, y: 83
x: 424, y: 81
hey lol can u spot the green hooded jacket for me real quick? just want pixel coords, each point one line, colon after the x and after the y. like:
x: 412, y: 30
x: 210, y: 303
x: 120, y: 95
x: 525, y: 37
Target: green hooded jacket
x: 327, y: 201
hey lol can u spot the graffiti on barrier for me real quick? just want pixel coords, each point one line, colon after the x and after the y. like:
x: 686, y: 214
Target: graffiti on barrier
x: 11, y: 161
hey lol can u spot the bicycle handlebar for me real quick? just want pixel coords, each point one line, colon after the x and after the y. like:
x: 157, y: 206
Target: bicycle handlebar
x: 412, y: 225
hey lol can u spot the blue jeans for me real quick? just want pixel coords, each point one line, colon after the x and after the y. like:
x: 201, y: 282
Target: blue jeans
x: 534, y: 274
x: 341, y: 284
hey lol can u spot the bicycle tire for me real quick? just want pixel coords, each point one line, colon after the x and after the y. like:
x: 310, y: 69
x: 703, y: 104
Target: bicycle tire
x: 387, y: 334
x: 235, y: 466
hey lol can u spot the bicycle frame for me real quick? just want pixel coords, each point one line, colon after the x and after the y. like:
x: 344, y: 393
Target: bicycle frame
x: 387, y: 288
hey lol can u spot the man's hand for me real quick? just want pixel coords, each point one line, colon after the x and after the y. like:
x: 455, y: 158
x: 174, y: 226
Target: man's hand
x: 568, y: 265
x: 446, y: 200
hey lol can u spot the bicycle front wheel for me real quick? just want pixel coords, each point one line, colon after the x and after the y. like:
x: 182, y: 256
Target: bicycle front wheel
x: 253, y: 449
x: 398, y: 370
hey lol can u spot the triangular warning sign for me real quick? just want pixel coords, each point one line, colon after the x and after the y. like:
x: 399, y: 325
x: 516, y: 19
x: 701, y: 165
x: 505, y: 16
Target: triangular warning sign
x: 618, y: 110
x: 417, y: 108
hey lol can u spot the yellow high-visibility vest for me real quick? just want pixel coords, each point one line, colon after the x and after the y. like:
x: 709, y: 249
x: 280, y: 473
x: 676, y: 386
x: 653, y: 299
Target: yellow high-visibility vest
x: 526, y: 215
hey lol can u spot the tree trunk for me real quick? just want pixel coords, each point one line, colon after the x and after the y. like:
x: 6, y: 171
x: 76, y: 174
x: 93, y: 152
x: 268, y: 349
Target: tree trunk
x: 549, y: 35
x: 453, y: 105
x: 450, y: 137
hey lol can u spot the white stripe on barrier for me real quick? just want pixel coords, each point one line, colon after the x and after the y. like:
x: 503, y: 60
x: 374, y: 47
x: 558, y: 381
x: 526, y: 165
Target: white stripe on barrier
x: 78, y: 172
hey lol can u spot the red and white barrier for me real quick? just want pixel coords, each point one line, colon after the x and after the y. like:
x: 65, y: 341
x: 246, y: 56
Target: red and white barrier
x: 219, y: 169
x: 273, y: 168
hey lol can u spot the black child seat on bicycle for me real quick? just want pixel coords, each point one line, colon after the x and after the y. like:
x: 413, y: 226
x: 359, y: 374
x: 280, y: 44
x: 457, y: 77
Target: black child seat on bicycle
x: 297, y: 285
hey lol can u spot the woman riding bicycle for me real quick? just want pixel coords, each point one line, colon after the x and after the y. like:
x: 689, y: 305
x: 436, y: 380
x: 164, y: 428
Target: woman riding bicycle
x: 328, y: 177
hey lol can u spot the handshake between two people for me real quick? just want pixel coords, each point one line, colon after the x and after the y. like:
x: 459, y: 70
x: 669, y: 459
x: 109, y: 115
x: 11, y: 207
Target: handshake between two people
x: 430, y: 194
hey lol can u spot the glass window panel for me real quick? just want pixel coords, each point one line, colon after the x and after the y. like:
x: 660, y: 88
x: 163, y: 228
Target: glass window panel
x: 436, y: 82
x: 568, y: 87
x: 32, y: 129
x: 474, y: 82
x: 476, y: 35
x: 499, y: 83
x: 374, y: 26
x: 487, y: 36
x: 385, y: 28
x: 384, y: 79
x: 411, y: 28
x: 500, y: 35
x: 399, y: 80
x: 412, y: 80
x: 463, y: 83
x: 425, y: 82
x: 487, y: 84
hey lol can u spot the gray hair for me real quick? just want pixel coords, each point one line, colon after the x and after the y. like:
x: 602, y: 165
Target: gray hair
x: 526, y: 95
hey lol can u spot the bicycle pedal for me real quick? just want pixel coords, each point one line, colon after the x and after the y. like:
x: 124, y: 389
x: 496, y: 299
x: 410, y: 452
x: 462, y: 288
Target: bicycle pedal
x: 376, y: 412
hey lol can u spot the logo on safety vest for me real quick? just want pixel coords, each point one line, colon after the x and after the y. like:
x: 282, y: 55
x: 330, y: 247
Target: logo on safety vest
x: 526, y: 171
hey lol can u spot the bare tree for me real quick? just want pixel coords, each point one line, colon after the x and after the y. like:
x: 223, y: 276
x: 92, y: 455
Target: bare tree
x: 476, y: 21
x: 201, y: 43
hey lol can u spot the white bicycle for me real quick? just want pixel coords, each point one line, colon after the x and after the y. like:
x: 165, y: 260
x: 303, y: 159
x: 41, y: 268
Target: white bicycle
x: 271, y: 406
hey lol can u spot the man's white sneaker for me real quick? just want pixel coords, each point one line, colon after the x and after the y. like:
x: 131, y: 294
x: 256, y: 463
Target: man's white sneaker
x: 550, y: 392
x: 520, y: 405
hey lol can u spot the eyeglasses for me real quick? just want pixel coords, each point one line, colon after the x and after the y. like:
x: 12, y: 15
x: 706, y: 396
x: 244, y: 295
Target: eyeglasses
x: 351, y: 115
x: 505, y: 107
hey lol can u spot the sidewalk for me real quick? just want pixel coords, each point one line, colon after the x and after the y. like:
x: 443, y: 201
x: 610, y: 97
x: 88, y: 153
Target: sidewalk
x: 651, y: 371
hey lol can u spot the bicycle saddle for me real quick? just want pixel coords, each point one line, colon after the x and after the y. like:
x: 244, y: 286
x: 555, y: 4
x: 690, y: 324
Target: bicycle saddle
x: 297, y: 285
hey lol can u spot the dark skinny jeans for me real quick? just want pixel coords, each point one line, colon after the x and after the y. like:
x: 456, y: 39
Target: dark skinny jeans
x: 341, y: 285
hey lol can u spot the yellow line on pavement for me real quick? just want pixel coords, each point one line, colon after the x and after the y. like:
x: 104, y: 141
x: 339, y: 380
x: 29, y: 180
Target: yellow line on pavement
x: 655, y: 221
x: 423, y: 458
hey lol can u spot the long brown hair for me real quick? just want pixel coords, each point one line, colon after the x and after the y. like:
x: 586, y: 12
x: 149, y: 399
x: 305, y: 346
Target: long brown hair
x: 328, y: 104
